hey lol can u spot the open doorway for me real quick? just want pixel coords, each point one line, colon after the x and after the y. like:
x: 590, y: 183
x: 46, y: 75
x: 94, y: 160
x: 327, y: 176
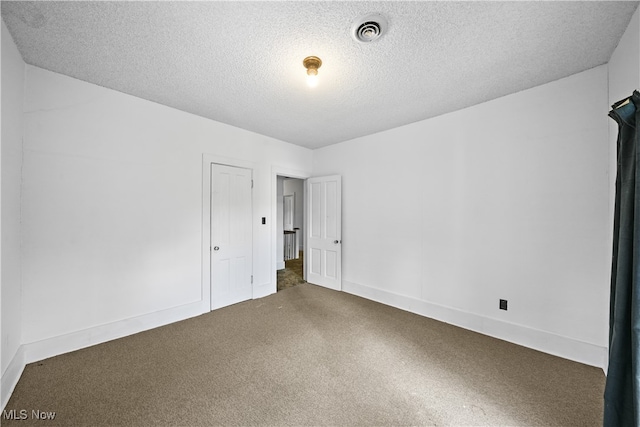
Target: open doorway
x: 290, y: 233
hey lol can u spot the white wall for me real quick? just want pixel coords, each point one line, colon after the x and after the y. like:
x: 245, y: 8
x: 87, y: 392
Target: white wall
x: 624, y: 65
x: 507, y: 199
x: 296, y: 187
x: 13, y: 67
x: 112, y: 210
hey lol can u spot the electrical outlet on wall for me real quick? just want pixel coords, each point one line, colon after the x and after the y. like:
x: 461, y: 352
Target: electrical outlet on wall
x: 503, y: 304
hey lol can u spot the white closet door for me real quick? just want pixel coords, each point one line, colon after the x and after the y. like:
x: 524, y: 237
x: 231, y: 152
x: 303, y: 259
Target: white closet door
x: 231, y: 235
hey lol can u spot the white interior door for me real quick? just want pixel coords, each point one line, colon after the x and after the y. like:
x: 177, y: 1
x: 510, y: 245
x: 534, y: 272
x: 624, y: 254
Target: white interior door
x: 324, y: 232
x: 231, y: 235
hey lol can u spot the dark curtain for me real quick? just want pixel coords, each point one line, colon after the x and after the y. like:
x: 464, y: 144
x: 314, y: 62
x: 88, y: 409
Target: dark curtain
x: 622, y: 391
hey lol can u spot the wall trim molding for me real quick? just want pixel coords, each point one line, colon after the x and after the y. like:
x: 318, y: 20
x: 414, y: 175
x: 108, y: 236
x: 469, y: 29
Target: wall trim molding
x: 66, y: 343
x: 11, y: 376
x: 55, y: 346
x: 557, y: 345
x: 263, y: 290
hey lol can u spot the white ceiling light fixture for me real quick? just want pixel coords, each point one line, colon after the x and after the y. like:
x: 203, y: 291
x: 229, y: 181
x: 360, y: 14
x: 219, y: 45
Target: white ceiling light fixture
x: 312, y: 63
x: 369, y: 28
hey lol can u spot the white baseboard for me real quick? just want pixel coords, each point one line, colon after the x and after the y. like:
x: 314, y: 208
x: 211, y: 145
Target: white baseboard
x: 61, y: 344
x: 11, y: 376
x: 567, y: 348
x: 280, y: 265
x: 54, y: 346
x: 263, y: 290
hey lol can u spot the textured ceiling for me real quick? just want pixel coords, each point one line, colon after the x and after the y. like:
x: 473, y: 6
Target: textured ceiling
x: 240, y: 63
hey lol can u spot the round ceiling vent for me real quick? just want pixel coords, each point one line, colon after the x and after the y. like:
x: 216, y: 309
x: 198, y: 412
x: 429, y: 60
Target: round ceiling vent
x: 369, y: 28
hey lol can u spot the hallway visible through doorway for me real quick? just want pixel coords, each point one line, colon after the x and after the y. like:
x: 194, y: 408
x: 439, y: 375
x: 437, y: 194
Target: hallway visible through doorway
x: 291, y: 274
x: 291, y: 231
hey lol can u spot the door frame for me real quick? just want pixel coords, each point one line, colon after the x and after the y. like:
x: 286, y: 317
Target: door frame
x: 207, y: 160
x: 289, y: 173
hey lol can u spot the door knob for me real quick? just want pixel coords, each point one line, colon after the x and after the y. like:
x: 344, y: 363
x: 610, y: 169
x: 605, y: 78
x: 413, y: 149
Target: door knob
x: 335, y: 242
x: 215, y: 248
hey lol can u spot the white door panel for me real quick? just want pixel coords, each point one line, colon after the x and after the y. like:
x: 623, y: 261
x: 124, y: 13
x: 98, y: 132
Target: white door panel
x: 231, y: 235
x: 324, y: 232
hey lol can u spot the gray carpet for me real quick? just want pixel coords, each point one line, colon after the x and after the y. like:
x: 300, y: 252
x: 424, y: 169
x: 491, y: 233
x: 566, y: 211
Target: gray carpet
x: 309, y: 356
